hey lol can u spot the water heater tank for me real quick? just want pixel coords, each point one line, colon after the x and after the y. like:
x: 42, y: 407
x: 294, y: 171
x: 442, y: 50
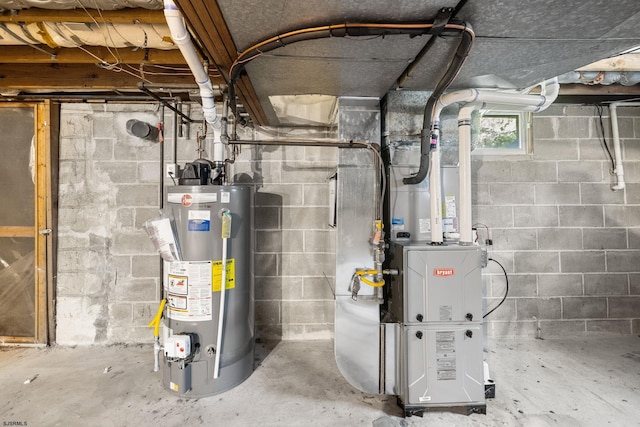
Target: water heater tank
x: 193, y: 290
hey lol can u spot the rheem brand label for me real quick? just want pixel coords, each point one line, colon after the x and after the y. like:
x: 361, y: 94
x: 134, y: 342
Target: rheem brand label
x: 443, y: 272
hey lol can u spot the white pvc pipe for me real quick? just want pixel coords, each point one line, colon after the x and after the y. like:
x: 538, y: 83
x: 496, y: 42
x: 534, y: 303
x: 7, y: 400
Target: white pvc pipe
x: 182, y: 39
x: 464, y: 161
x: 618, y: 168
x: 480, y: 99
x: 435, y: 190
x: 223, y: 288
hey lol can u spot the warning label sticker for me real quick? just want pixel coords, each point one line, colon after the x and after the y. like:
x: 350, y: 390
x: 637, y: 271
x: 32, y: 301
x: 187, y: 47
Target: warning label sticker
x: 188, y: 286
x: 446, y: 355
x: 230, y: 279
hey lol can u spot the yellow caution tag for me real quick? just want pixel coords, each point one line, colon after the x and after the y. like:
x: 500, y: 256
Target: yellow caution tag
x: 173, y: 386
x: 216, y: 276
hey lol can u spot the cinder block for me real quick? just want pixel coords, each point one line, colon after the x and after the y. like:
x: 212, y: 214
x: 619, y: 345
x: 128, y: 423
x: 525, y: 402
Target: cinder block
x: 279, y: 241
x: 535, y: 216
x: 267, y: 312
x: 493, y: 216
x: 121, y: 265
x: 318, y: 332
x: 490, y: 171
x: 630, y: 149
x: 576, y: 127
x: 600, y: 194
x: 557, y: 194
x: 75, y: 126
x: 117, y: 172
x: 505, y: 258
x: 538, y: 308
x: 144, y: 214
x: 303, y: 312
x: 132, y: 243
x: 288, y: 195
x: 145, y: 266
x: 580, y: 171
x: 534, y: 171
x: 142, y: 195
x: 305, y: 173
x: 557, y: 285
x: 321, y: 154
x: 562, y: 328
x: 582, y: 262
x: 559, y: 238
x: 320, y: 241
x: 75, y: 320
x: 136, y: 290
x: 267, y: 264
x: 633, y: 193
x: 606, y: 284
x: 267, y: 218
x: 520, y: 285
x: 71, y: 240
x: 511, y: 194
x: 622, y: 216
x: 622, y: 327
x: 149, y: 172
x: 131, y: 148
x: 143, y: 313
x: 536, y: 262
x: 305, y: 264
x: 623, y: 261
x: 319, y: 288
x: 555, y: 149
x: 316, y: 194
x: 512, y: 328
x: 102, y: 148
x: 120, y: 314
x: 130, y: 335
x: 544, y: 127
x: 581, y: 216
x: 480, y: 194
x: 73, y: 171
x: 507, y: 311
x: 635, y: 326
x: 631, y: 172
x: 125, y: 218
x: 278, y: 288
x: 584, y: 308
x: 514, y: 239
x: 605, y: 238
x: 634, y: 284
x: 592, y: 149
x: 624, y: 307
x: 305, y: 218
x: 82, y: 283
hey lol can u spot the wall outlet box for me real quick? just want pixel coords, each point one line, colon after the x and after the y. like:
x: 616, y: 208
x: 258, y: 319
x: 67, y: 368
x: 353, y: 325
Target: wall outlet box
x: 171, y: 170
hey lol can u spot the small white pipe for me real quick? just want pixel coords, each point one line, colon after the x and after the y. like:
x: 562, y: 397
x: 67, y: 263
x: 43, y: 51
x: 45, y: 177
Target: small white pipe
x: 435, y: 188
x: 618, y: 168
x: 182, y: 39
x: 479, y: 98
x: 464, y: 160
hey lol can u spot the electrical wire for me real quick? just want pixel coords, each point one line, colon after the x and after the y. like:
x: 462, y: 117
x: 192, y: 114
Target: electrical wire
x: 506, y: 292
x: 603, y: 138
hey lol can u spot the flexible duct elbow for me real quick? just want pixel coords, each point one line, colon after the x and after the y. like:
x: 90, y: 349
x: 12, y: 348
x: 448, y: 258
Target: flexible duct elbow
x: 182, y: 39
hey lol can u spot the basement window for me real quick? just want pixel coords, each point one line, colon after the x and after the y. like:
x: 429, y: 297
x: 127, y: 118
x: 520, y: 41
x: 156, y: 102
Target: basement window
x: 501, y: 132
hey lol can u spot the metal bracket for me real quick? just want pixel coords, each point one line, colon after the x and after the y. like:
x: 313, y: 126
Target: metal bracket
x: 441, y: 19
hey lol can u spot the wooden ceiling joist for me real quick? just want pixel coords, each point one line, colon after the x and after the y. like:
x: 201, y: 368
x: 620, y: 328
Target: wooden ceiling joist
x: 81, y: 76
x: 88, y: 55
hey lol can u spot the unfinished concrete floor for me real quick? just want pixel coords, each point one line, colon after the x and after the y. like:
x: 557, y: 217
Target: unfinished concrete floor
x: 592, y: 381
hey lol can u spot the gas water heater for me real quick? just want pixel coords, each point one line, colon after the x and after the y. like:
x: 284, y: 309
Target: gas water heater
x: 209, y: 314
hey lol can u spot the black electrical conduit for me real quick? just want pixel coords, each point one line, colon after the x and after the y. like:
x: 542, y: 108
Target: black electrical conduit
x: 452, y: 27
x: 336, y: 30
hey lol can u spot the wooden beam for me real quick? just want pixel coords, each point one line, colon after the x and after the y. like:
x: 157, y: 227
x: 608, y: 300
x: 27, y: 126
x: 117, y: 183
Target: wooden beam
x: 29, y: 55
x: 627, y: 62
x: 207, y: 23
x: 82, y: 76
x: 123, y: 16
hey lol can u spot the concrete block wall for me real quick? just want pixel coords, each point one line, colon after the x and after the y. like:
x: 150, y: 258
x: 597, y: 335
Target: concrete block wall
x: 295, y: 246
x: 108, y: 271
x: 571, y: 246
x: 108, y: 278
